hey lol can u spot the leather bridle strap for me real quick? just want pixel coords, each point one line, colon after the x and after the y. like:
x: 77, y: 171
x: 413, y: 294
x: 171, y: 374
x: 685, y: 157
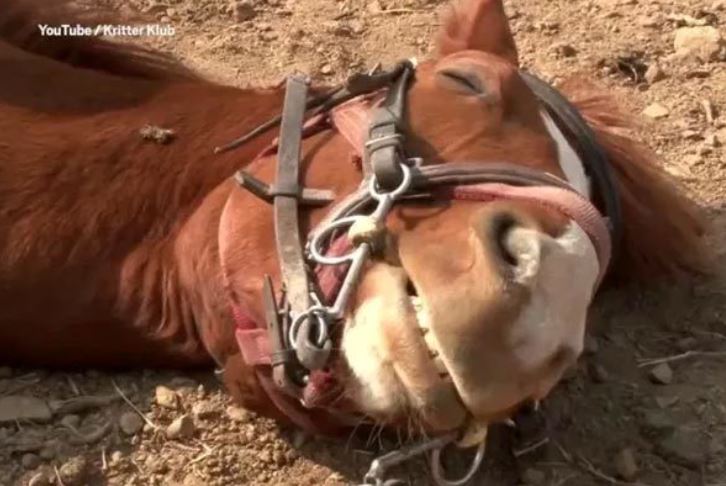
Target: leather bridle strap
x: 595, y: 160
x: 384, y: 149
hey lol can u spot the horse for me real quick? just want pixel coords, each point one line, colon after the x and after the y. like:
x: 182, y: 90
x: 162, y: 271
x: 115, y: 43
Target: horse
x: 127, y: 241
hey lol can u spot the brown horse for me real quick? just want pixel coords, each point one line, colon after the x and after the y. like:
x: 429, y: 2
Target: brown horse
x: 120, y: 249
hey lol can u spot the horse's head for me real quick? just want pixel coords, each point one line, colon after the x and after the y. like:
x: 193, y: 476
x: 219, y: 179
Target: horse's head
x: 477, y: 306
x: 477, y: 301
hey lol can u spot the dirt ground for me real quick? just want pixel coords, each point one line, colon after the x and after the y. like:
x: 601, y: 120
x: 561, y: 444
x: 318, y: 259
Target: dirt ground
x: 615, y: 419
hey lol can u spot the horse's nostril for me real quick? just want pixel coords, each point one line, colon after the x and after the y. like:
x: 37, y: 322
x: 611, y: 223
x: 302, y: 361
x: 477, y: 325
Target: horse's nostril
x: 502, y: 225
x: 411, y: 289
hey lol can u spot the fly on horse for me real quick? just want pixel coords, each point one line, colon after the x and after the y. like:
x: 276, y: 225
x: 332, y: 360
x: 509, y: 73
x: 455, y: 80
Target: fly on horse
x: 466, y: 212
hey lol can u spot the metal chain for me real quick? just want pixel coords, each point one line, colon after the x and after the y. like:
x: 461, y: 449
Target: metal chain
x: 376, y: 475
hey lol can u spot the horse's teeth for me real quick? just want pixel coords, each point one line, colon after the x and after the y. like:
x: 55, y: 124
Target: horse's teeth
x: 429, y: 339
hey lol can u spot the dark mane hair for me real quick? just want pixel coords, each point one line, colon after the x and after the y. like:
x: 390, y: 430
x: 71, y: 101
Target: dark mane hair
x: 19, y: 26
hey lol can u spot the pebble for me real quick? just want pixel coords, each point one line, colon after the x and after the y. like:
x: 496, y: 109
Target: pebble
x: 71, y: 421
x: 661, y: 374
x: 130, y: 423
x: 204, y: 410
x: 658, y: 422
x: 74, y: 471
x: 598, y: 373
x: 703, y: 43
x: 533, y: 476
x: 626, y: 464
x: 243, y: 10
x: 666, y: 401
x: 239, y: 414
x: 684, y: 446
x: 181, y: 428
x: 116, y: 457
x: 30, y: 461
x: 166, y: 397
x: 656, y: 111
x: 15, y: 407
x: 654, y: 73
x: 326, y: 69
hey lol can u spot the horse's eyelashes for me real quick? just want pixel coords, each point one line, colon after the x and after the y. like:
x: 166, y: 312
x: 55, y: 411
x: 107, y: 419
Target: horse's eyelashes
x: 468, y: 80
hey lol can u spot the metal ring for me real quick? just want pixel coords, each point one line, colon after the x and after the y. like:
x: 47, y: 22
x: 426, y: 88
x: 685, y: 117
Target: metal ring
x: 438, y: 472
x: 319, y: 312
x: 316, y: 241
x: 400, y: 190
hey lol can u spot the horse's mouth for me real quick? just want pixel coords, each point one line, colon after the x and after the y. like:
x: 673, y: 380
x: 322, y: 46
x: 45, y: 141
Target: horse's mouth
x: 398, y: 364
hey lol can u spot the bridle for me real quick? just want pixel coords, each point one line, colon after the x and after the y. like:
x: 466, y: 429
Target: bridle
x: 320, y: 274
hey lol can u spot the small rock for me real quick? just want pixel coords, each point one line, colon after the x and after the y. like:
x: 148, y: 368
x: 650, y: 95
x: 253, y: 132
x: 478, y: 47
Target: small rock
x: 703, y: 43
x: 686, y: 447
x: 666, y: 401
x: 243, y: 10
x: 130, y: 423
x: 661, y: 374
x: 564, y: 50
x: 71, y: 421
x: 30, y: 461
x: 326, y: 69
x: 5, y: 372
x: 648, y: 21
x: 626, y: 465
x: 533, y: 476
x: 598, y: 373
x: 656, y: 111
x: 166, y: 397
x: 181, y: 428
x: 116, y: 457
x: 374, y: 7
x: 16, y: 407
x: 712, y: 140
x: 357, y: 27
x: 239, y: 414
x: 657, y: 423
x: 74, y: 471
x: 654, y: 73
x: 204, y: 410
x: 691, y: 135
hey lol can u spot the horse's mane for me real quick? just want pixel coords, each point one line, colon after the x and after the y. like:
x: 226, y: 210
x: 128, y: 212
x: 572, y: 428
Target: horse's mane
x: 19, y: 26
x: 664, y: 229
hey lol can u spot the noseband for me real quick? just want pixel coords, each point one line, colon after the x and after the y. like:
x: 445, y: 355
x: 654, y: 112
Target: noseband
x: 320, y: 275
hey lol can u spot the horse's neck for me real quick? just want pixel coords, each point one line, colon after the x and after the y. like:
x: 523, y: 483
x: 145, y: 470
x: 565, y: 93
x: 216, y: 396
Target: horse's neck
x: 183, y: 264
x: 94, y: 211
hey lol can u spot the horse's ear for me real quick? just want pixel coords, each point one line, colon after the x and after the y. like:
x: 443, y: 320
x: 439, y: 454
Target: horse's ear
x: 477, y: 24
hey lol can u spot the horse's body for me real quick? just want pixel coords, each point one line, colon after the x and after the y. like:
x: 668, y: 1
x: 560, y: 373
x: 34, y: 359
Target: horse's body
x: 109, y: 251
x: 92, y: 211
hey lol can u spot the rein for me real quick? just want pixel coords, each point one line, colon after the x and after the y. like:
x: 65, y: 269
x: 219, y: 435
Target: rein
x: 319, y: 276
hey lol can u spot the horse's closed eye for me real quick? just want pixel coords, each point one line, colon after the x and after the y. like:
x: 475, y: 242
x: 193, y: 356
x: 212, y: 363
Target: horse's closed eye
x: 464, y: 79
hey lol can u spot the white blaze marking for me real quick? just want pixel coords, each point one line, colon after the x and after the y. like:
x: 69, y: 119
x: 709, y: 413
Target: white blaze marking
x: 569, y: 161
